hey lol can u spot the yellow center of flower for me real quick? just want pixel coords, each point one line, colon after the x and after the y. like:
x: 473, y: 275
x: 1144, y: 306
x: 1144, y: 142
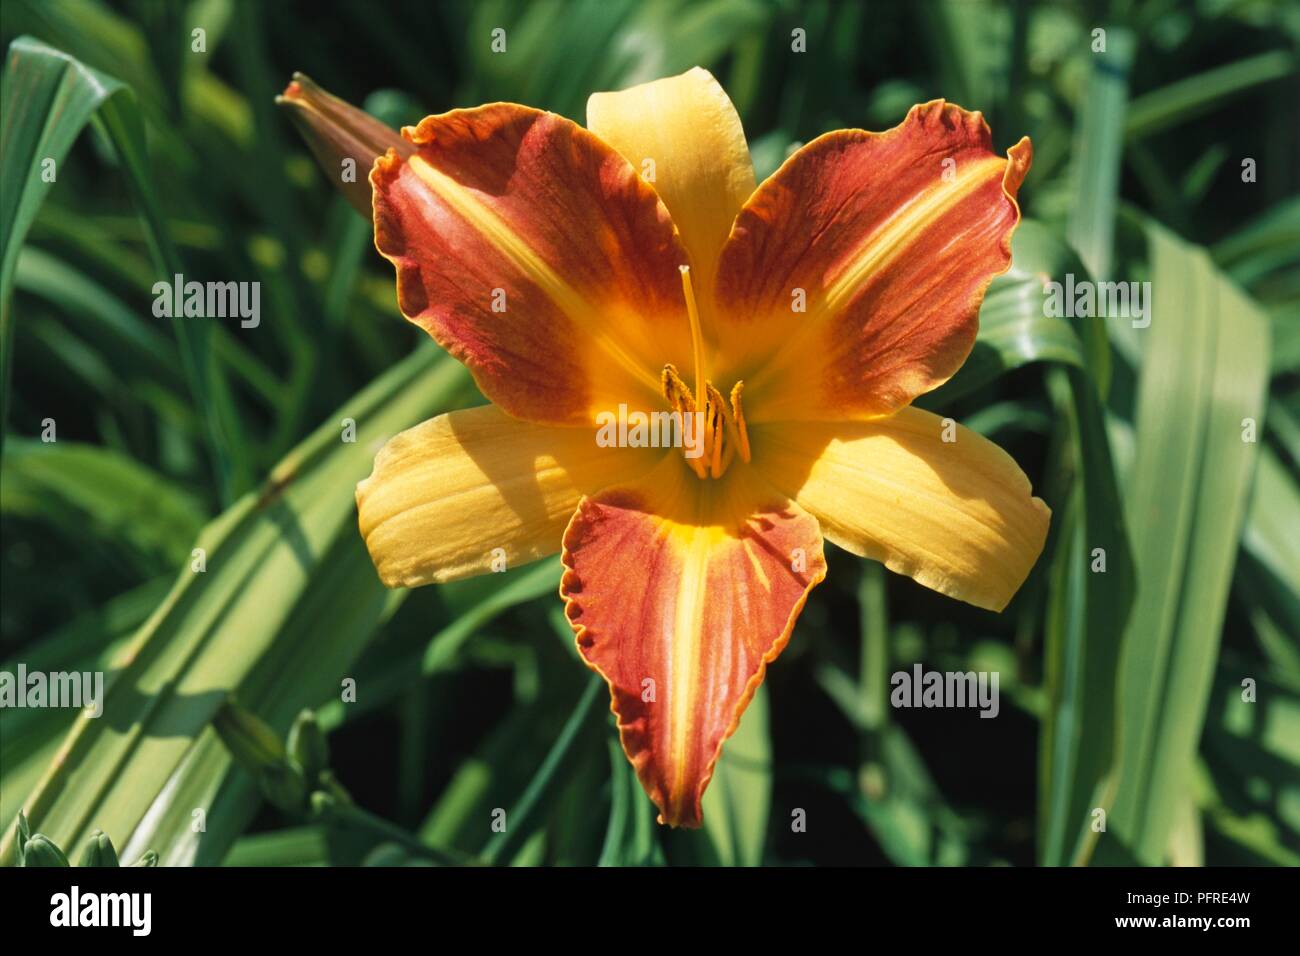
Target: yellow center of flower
x: 722, y: 423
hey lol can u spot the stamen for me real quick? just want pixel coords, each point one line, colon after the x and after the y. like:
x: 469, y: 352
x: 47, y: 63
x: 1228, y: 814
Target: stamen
x: 719, y: 424
x: 697, y: 335
x: 738, y: 420
x: 675, y: 391
x: 719, y: 431
x: 683, y: 405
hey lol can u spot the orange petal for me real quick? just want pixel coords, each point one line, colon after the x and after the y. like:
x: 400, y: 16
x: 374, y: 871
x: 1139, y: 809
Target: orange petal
x: 888, y: 241
x: 680, y: 592
x: 957, y: 516
x: 533, y: 253
x: 459, y: 493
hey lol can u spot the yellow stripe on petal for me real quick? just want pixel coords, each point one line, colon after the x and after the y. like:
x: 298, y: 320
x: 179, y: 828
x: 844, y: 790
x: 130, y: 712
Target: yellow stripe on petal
x: 532, y: 252
x: 958, y: 517
x: 453, y: 495
x: 897, y: 236
x: 853, y: 278
x: 684, y: 132
x: 680, y: 593
x: 500, y: 236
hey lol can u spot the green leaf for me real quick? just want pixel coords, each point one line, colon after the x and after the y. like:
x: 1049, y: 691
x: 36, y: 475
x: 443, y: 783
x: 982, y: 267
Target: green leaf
x: 1014, y: 327
x: 1086, y: 615
x: 119, y: 329
x: 892, y: 792
x: 394, y: 673
x: 1190, y: 97
x: 89, y: 489
x: 120, y: 336
x: 1204, y: 370
x: 739, y: 798
x: 296, y: 846
x: 88, y: 643
x: 1252, y: 746
x: 966, y: 37
x: 630, y: 837
x: 518, y: 824
x: 458, y: 817
x: 630, y: 43
x: 22, y: 832
x: 1274, y: 514
x: 286, y: 599
x: 1098, y: 149
x: 47, y: 98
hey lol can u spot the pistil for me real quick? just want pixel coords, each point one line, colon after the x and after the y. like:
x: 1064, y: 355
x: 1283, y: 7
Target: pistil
x: 697, y: 335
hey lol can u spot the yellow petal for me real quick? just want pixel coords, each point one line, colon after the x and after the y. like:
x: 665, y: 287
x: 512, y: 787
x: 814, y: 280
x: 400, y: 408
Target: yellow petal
x: 446, y: 494
x: 958, y: 517
x: 688, y: 129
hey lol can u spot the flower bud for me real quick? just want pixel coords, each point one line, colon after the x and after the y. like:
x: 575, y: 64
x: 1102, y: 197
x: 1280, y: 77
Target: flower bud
x: 149, y: 859
x: 99, y: 851
x: 338, y: 132
x: 308, y: 746
x: 252, y: 743
x: 23, y: 835
x: 330, y: 784
x: 41, y: 851
x: 323, y: 805
x: 283, y: 784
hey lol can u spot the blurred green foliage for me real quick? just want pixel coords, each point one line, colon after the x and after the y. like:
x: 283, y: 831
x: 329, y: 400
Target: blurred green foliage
x: 1123, y: 690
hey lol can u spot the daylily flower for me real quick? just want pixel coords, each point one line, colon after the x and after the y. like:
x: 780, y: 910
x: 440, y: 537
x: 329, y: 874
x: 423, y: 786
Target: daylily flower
x: 636, y: 262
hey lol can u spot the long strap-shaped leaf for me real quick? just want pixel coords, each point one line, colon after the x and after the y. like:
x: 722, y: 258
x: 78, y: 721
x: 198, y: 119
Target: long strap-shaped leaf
x: 1098, y: 151
x: 280, y: 601
x: 1086, y: 611
x: 1204, y: 372
x: 1015, y: 328
x: 46, y: 100
x: 1091, y: 597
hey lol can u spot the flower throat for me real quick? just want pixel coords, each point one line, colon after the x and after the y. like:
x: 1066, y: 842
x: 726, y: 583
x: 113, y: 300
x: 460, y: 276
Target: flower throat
x: 725, y: 435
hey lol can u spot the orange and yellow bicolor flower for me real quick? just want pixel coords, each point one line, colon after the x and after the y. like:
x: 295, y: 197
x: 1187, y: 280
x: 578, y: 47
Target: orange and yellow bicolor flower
x: 637, y: 262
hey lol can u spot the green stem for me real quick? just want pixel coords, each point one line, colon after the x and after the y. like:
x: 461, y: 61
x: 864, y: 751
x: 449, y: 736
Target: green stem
x: 365, y: 820
x: 541, y: 781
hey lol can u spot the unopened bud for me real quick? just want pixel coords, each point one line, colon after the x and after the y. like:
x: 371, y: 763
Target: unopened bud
x: 41, y: 851
x: 249, y: 739
x: 283, y: 784
x: 323, y: 805
x: 329, y: 785
x: 23, y: 835
x: 337, y: 131
x: 99, y: 851
x: 307, y: 745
